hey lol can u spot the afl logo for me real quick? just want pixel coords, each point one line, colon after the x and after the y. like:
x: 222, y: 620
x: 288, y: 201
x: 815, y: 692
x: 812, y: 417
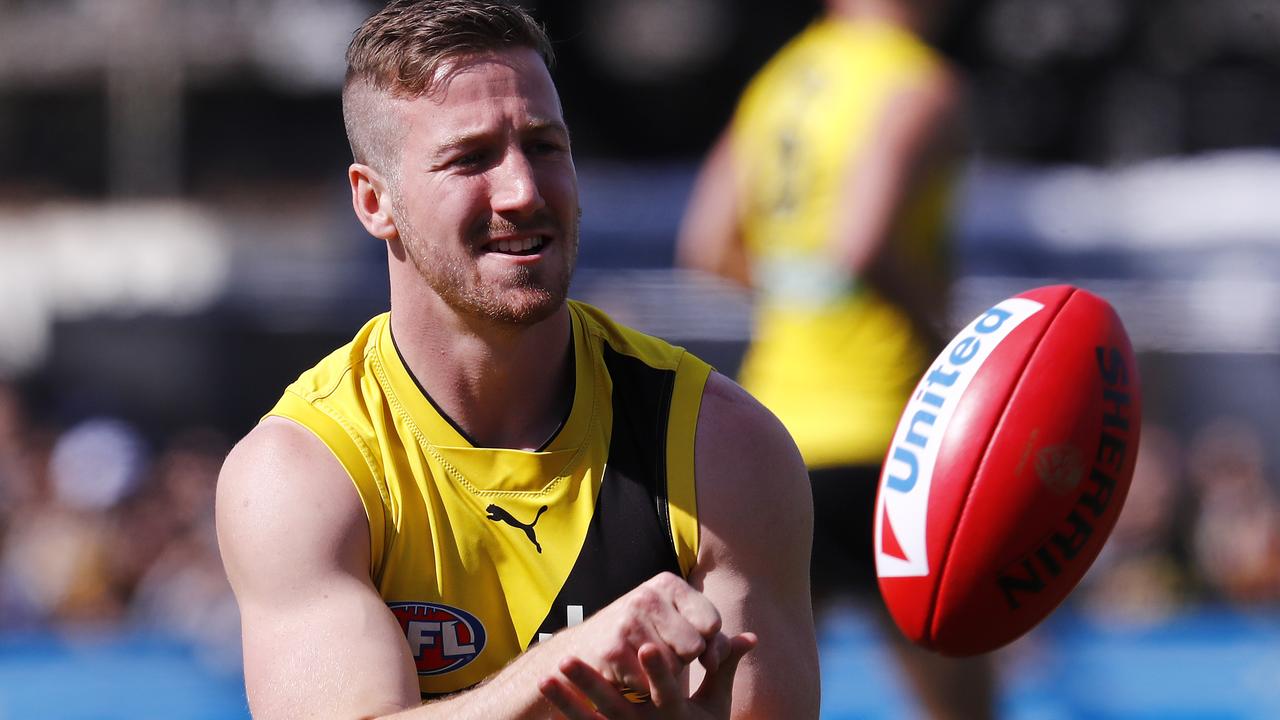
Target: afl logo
x: 441, y: 638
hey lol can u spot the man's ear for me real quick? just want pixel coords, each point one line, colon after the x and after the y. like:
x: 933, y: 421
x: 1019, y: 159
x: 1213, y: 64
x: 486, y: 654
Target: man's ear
x: 371, y: 198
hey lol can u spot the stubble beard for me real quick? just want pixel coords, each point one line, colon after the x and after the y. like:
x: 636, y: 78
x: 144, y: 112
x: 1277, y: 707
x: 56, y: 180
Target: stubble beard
x: 526, y: 296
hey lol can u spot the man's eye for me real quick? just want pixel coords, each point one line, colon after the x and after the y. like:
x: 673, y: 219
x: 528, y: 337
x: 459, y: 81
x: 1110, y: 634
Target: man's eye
x: 544, y: 148
x: 470, y: 159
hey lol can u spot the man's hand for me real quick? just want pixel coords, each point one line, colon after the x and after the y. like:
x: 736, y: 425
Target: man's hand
x: 641, y: 644
x: 665, y: 616
x: 580, y: 692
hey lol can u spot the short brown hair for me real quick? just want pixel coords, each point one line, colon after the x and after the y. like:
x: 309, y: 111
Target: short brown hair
x: 399, y: 49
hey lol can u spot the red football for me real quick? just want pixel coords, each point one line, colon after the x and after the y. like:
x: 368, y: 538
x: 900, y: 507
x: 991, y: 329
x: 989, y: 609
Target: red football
x: 1007, y: 470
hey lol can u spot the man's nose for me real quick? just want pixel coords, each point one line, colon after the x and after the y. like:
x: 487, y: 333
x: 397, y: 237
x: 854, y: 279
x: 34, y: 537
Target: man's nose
x: 515, y: 185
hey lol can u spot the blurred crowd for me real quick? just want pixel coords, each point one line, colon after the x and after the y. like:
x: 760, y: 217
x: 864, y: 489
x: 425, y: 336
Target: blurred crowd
x: 1201, y: 525
x: 102, y: 528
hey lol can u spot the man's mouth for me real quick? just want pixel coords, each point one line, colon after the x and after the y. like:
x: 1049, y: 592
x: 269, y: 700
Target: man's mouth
x: 518, y: 246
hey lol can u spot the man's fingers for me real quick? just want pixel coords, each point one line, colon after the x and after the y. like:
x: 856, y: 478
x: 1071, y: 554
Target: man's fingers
x: 665, y: 688
x: 568, y: 701
x: 608, y: 699
x: 699, y: 611
x: 717, y: 650
x: 685, y: 619
x: 717, y: 686
x: 683, y: 639
x: 743, y: 643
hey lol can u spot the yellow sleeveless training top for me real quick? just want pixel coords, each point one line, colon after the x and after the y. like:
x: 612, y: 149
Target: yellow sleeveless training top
x: 480, y: 551
x: 834, y: 360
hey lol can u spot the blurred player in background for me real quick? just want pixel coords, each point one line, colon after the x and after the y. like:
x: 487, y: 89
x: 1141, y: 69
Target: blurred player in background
x: 490, y: 469
x: 828, y: 195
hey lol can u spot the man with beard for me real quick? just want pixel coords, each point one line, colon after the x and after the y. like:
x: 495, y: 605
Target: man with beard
x: 493, y: 498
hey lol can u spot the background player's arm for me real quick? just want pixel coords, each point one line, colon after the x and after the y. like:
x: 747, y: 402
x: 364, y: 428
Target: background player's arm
x: 756, y: 513
x: 320, y: 642
x: 710, y: 236
x: 918, y: 129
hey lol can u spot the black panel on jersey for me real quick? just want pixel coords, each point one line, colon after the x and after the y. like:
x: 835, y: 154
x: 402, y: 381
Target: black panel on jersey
x: 629, y: 539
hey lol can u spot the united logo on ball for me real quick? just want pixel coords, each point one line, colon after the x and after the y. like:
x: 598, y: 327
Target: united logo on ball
x: 1007, y: 470
x: 441, y: 638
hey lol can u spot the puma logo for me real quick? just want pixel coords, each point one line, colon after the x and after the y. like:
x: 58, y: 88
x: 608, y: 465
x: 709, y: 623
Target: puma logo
x: 497, y: 514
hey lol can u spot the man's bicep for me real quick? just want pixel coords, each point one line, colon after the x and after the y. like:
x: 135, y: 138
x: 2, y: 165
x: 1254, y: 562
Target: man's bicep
x: 756, y: 515
x: 318, y: 639
x: 336, y: 652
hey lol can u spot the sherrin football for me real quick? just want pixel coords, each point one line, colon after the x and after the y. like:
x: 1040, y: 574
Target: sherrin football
x: 1007, y: 470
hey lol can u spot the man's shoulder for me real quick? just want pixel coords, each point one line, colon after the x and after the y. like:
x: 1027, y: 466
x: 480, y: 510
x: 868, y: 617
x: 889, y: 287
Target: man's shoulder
x: 287, y: 515
x: 343, y: 364
x: 750, y: 475
x: 741, y: 444
x: 331, y: 421
x: 338, y: 398
x: 279, y: 447
x: 614, y: 336
x: 278, y: 465
x: 731, y: 416
x: 746, y: 462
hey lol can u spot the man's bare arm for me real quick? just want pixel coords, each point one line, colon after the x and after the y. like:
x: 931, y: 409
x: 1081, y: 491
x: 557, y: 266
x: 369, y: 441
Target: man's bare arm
x: 319, y: 640
x: 917, y: 134
x: 755, y: 508
x: 918, y: 128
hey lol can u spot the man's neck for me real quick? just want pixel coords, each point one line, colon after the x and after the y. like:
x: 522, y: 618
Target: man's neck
x: 503, y: 385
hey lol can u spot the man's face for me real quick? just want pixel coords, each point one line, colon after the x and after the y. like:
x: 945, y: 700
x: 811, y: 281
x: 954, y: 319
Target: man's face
x: 486, y: 195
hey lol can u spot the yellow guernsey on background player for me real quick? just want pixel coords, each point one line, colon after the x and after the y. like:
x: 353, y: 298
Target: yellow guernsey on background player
x: 833, y: 354
x: 425, y: 511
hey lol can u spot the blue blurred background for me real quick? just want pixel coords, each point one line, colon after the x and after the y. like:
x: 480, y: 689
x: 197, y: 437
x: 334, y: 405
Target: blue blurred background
x: 176, y: 245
